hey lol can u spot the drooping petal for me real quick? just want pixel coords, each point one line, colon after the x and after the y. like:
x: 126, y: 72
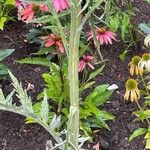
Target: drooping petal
x: 81, y: 66
x: 60, y: 46
x: 91, y: 66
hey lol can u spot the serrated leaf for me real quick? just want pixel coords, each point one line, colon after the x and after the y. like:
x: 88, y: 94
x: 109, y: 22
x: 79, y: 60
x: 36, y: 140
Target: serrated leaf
x: 137, y: 133
x: 44, y: 111
x: 44, y: 19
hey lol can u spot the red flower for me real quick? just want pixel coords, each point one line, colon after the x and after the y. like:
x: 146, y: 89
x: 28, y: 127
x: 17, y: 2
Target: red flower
x: 52, y: 39
x: 84, y: 62
x: 27, y: 12
x: 103, y: 36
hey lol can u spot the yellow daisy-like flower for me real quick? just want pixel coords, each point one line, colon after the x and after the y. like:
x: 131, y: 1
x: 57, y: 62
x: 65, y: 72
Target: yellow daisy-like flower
x: 132, y: 91
x: 145, y: 62
x: 134, y: 67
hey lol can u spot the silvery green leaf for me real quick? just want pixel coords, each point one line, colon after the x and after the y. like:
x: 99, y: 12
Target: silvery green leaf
x: 44, y: 109
x: 144, y: 28
x: 82, y: 140
x: 9, y: 98
x: 2, y: 98
x: 22, y: 95
x: 55, y: 122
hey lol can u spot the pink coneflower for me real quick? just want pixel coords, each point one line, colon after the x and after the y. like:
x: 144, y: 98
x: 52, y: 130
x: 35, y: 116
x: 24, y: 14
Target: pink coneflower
x: 51, y: 40
x: 60, y: 5
x: 103, y: 36
x: 18, y: 3
x: 84, y: 62
x: 27, y: 12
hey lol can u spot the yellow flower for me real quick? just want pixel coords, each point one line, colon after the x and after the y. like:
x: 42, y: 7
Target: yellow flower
x: 132, y: 91
x: 134, y: 68
x: 145, y: 62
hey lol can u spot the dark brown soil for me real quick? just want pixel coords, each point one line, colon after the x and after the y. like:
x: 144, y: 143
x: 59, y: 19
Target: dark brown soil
x: 16, y: 135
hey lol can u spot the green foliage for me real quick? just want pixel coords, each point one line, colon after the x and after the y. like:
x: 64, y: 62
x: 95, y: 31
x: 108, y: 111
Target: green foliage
x: 5, y: 7
x: 26, y: 107
x: 121, y: 22
x: 4, y: 54
x: 137, y: 133
x: 35, y: 61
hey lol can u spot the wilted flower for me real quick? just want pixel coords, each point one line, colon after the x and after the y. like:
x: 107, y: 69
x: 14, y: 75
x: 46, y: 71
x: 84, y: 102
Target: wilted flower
x: 134, y: 67
x: 145, y: 61
x: 103, y: 36
x: 60, y: 5
x: 51, y: 40
x: 132, y: 91
x: 147, y: 41
x: 86, y: 60
x: 27, y: 12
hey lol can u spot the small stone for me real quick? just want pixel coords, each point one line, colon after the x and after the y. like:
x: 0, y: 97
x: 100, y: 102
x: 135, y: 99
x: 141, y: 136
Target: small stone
x: 124, y: 142
x: 115, y: 104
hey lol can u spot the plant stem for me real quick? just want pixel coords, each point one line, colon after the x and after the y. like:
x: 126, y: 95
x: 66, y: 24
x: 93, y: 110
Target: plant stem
x: 144, y: 84
x: 73, y: 59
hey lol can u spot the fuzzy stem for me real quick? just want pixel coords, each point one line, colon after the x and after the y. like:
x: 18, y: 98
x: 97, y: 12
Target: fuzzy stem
x: 73, y: 59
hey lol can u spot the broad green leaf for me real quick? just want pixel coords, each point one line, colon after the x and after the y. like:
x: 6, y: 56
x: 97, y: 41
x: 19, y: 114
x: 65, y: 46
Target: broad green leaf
x: 35, y: 61
x: 114, y: 23
x: 2, y: 22
x: 137, y: 133
x: 102, y: 98
x: 142, y: 114
x: 5, y: 53
x: 106, y: 115
x: 86, y: 86
x: 3, y: 70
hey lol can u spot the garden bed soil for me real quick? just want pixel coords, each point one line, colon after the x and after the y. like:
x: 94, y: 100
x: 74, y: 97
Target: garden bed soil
x: 16, y: 135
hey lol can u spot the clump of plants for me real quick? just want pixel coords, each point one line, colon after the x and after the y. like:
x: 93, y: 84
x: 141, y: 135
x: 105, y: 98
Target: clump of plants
x: 6, y: 7
x: 138, y: 89
x: 66, y: 107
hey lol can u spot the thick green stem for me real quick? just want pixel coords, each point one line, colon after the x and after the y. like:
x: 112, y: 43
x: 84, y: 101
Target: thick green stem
x: 73, y: 123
